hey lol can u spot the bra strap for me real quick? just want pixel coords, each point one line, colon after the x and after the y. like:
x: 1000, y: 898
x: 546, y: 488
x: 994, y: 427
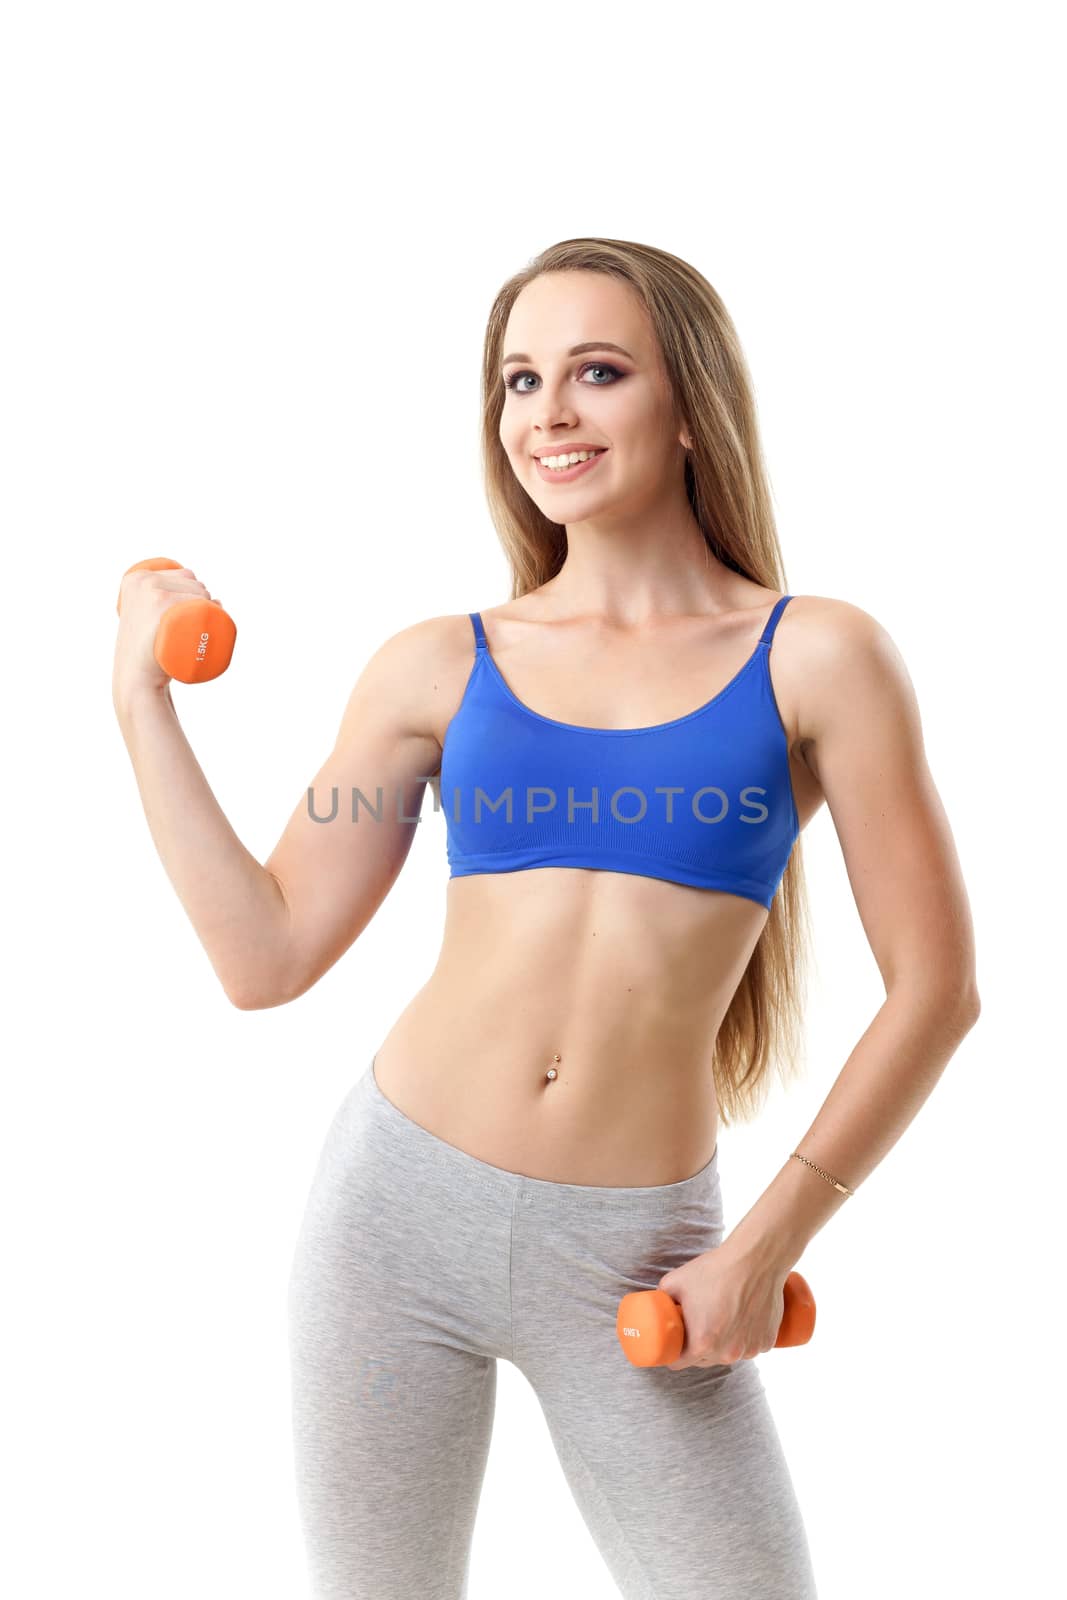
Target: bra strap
x: 772, y: 621
x: 479, y: 631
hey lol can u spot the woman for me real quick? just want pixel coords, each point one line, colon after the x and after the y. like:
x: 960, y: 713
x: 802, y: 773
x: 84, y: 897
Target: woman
x: 537, y: 1134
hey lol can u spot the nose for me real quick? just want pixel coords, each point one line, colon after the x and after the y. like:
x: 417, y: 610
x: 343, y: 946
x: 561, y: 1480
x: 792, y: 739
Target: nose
x: 553, y: 413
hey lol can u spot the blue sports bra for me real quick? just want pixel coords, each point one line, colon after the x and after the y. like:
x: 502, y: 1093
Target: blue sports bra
x: 705, y: 799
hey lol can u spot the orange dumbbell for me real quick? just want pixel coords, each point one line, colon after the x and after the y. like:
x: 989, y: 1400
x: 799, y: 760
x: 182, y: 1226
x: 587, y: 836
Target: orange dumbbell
x: 651, y: 1329
x: 195, y: 638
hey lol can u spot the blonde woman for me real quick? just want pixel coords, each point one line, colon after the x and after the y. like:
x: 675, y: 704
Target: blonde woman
x: 626, y: 753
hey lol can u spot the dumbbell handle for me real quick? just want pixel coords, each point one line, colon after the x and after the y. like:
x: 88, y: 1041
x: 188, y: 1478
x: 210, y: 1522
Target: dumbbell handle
x: 651, y: 1328
x: 195, y: 637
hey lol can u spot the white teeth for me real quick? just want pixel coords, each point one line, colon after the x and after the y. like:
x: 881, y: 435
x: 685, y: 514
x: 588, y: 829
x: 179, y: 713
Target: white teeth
x: 561, y: 463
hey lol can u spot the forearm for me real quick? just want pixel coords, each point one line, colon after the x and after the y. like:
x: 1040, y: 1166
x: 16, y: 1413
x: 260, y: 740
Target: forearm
x: 235, y: 905
x: 881, y: 1087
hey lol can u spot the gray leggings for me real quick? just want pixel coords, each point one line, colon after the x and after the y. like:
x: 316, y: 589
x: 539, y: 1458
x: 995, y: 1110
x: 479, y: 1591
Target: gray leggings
x: 419, y: 1267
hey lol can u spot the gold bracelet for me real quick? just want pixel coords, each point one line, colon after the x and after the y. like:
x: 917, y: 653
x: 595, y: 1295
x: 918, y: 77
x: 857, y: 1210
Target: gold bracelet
x: 822, y: 1174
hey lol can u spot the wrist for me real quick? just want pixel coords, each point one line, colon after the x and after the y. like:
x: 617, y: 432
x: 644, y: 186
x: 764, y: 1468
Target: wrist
x: 128, y: 698
x: 766, y: 1248
x: 775, y: 1232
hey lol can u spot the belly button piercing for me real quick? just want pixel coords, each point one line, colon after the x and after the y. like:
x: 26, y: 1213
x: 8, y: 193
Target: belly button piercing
x: 552, y: 1073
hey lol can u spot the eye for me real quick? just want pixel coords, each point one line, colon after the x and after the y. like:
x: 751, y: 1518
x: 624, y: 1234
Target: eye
x: 511, y: 381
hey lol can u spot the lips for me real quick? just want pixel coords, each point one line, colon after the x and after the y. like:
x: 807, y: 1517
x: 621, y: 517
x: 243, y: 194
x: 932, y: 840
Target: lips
x: 562, y: 449
x: 547, y: 475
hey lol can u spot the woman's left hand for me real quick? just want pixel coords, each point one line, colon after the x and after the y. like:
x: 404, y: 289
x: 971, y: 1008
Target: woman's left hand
x: 732, y: 1305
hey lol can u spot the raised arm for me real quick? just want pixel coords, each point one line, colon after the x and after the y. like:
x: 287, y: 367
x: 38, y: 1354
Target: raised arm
x: 271, y: 930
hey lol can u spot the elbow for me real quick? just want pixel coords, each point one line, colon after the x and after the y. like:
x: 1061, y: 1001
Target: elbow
x: 962, y: 1004
x: 256, y: 999
x: 950, y: 1003
x: 264, y: 991
x: 244, y: 1000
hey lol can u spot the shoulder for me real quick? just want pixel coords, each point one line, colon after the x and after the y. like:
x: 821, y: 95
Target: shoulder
x: 823, y: 626
x: 836, y: 658
x: 420, y: 670
x: 433, y: 643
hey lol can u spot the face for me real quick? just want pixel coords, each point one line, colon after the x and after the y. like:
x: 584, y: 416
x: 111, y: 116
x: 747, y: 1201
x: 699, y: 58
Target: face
x: 616, y: 400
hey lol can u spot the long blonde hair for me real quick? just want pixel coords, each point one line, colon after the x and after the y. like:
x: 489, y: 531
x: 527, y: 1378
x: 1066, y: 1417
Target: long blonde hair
x: 727, y: 485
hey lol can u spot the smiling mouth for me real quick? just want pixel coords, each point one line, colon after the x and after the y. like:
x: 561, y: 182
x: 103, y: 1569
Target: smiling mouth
x: 554, y: 475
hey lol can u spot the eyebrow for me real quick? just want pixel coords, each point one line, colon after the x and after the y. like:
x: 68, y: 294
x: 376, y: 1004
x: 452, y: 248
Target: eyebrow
x: 577, y: 350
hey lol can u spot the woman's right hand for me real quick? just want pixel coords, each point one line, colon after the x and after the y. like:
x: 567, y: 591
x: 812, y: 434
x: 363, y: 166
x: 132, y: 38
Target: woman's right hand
x: 144, y: 595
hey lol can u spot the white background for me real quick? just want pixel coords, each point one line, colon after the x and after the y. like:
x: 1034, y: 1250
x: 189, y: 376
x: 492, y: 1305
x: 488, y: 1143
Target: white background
x: 248, y: 255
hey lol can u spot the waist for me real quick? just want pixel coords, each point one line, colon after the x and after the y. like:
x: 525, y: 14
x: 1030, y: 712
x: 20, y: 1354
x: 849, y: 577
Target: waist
x: 625, y: 978
x: 611, y: 1095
